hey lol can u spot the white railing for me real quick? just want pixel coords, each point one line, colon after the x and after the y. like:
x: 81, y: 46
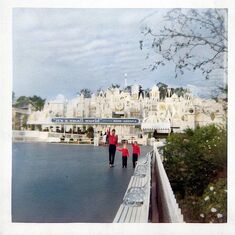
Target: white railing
x: 26, y: 135
x: 167, y: 207
x: 37, y: 136
x: 129, y: 138
x: 170, y: 211
x: 17, y: 133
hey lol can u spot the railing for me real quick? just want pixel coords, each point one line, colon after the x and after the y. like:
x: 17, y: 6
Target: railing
x: 36, y: 136
x: 136, y: 201
x: 137, y: 207
x: 66, y: 135
x: 168, y: 209
x: 129, y: 138
x: 25, y: 135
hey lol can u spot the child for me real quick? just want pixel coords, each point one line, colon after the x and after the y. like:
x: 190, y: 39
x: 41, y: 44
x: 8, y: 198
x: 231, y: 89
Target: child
x: 136, y: 153
x: 125, y: 154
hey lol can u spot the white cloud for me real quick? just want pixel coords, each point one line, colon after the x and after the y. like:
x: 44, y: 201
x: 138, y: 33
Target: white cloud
x: 67, y: 48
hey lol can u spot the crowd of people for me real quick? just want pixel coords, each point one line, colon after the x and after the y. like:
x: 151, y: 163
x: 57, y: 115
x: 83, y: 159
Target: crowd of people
x: 111, y: 138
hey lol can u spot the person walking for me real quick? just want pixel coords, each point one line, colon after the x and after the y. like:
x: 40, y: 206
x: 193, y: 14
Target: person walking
x: 135, y: 153
x: 104, y: 139
x: 125, y: 154
x: 113, y: 141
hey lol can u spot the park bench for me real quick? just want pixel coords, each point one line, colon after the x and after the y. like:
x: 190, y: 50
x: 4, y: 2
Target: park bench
x: 140, y: 213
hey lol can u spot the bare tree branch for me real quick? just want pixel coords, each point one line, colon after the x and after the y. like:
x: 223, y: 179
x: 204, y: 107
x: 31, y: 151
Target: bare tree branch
x: 191, y: 39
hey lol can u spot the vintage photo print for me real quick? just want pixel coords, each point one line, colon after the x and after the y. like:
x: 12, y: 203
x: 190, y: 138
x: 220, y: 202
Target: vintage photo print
x: 118, y: 119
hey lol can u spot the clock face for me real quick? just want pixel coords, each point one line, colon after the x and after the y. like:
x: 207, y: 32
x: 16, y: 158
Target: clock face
x: 119, y: 106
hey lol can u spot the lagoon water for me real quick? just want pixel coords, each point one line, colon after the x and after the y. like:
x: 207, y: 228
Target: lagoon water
x: 66, y: 183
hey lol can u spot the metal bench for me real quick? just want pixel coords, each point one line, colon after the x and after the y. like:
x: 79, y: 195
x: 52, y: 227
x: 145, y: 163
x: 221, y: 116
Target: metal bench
x: 137, y: 214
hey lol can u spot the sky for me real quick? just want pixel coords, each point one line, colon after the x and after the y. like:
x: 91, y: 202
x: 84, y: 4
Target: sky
x: 61, y: 51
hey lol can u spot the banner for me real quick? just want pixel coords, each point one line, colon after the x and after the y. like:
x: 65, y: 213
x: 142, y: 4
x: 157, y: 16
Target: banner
x: 126, y: 121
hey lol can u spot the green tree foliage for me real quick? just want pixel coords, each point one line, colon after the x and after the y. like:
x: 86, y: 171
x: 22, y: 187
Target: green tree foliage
x: 128, y: 89
x: 86, y: 92
x: 196, y: 165
x: 179, y: 91
x: 162, y: 89
x: 191, y: 39
x: 22, y: 101
x: 90, y: 132
x: 195, y: 158
x: 147, y: 92
x: 211, y: 207
x: 221, y: 92
x: 115, y: 85
x: 13, y: 97
x: 36, y: 101
x: 24, y: 121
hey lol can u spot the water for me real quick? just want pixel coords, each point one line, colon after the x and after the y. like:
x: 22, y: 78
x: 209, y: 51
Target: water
x: 66, y: 183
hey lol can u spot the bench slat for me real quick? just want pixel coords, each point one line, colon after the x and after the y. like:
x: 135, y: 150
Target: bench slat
x: 117, y: 217
x: 123, y: 216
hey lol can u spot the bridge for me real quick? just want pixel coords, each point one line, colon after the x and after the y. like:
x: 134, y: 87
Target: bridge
x: 149, y: 196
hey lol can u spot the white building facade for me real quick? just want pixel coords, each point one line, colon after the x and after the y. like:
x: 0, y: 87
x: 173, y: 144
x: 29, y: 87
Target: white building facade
x: 172, y: 113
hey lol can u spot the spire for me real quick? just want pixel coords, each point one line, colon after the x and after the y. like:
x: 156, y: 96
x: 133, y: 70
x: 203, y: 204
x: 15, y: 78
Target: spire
x: 125, y: 75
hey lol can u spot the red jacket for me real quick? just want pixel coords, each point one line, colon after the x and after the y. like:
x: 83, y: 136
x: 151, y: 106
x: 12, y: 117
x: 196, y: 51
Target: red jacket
x: 113, y: 139
x: 136, y: 149
x: 125, y: 152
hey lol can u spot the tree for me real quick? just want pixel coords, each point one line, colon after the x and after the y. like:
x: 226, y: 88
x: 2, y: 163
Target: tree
x: 24, y: 121
x: 147, y: 92
x: 220, y: 92
x: 13, y: 97
x: 162, y: 89
x: 98, y: 91
x: 195, y: 158
x: 128, y: 89
x: 86, y: 92
x: 22, y: 101
x: 90, y: 132
x: 216, y: 198
x: 36, y: 101
x: 115, y: 85
x: 179, y: 91
x: 192, y: 39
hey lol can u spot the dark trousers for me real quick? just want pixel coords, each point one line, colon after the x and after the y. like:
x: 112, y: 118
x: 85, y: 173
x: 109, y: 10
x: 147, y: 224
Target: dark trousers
x: 134, y: 159
x: 112, y: 151
x: 124, y: 161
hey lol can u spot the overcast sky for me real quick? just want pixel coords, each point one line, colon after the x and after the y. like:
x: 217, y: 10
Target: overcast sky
x: 60, y: 51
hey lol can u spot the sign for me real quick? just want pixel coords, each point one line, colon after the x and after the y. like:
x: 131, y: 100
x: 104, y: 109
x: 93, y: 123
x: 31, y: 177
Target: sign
x: 101, y: 121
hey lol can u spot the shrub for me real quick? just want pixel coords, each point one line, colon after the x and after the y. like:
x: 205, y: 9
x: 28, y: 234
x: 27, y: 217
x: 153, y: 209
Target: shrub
x: 196, y: 165
x: 194, y: 158
x: 213, y: 203
x: 90, y: 132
